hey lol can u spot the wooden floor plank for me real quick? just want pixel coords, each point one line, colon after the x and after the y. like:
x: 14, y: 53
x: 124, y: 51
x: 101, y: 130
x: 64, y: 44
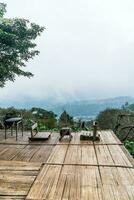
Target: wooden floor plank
x: 81, y: 154
x: 27, y: 153
x: 19, y: 166
x: 58, y: 154
x: 7, y: 197
x: 33, y: 153
x: 119, y: 156
x: 16, y: 178
x: 107, y: 137
x: 83, y: 183
x: 15, y: 184
x: 45, y: 183
x: 42, y: 154
x: 103, y: 155
x: 90, y: 183
x: 72, y: 183
x: 117, y: 181
x: 10, y: 151
x: 19, y: 172
x: 67, y: 174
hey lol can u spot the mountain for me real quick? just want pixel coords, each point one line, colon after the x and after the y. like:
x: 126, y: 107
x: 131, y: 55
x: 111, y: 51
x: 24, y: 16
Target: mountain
x: 92, y: 107
x: 79, y: 109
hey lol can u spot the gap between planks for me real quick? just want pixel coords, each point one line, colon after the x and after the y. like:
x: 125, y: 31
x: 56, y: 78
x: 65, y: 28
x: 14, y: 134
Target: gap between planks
x: 55, y: 144
x: 94, y: 165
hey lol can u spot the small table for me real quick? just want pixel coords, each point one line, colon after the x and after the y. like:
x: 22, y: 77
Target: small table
x: 11, y: 122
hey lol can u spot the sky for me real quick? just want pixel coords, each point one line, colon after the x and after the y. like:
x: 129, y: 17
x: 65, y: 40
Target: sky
x: 86, y: 50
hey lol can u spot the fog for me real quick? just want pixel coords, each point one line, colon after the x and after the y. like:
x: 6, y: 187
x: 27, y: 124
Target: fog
x: 86, y: 50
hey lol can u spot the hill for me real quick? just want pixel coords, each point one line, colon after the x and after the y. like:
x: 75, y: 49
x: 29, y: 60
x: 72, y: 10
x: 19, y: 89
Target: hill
x: 92, y: 107
x: 78, y: 109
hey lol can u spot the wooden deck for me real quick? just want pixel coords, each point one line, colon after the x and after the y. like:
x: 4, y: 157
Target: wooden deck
x: 76, y: 170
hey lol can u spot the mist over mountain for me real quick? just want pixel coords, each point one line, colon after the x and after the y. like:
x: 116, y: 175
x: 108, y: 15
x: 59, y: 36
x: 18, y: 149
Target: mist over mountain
x: 92, y: 107
x: 76, y: 108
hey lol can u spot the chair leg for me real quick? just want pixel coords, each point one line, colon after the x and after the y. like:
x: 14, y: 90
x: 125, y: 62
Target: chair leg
x: 11, y: 130
x: 5, y: 133
x: 22, y: 128
x: 16, y: 132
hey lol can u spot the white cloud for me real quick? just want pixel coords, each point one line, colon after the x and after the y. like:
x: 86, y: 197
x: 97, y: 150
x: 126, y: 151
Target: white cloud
x: 86, y: 49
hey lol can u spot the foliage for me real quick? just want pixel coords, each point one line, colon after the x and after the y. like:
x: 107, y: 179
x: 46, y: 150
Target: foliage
x: 2, y: 9
x: 46, y: 119
x: 130, y: 107
x: 130, y: 146
x: 65, y: 120
x: 107, y: 118
x: 11, y: 110
x: 16, y: 46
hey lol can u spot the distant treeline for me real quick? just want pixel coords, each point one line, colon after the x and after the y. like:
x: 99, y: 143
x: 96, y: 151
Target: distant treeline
x: 46, y: 119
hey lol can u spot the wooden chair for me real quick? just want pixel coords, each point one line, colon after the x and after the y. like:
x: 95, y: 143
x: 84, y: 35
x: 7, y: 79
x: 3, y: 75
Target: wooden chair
x: 35, y: 134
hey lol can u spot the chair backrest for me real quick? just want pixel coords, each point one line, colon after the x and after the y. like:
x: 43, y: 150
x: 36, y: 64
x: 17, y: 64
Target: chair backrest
x: 34, y: 129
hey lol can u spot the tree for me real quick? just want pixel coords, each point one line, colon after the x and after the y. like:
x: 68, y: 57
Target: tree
x: 130, y: 107
x: 16, y: 46
x: 107, y: 119
x: 125, y: 106
x: 44, y: 118
x: 65, y: 120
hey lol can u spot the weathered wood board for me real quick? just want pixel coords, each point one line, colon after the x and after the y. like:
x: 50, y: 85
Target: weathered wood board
x: 16, y: 178
x: 82, y: 182
x: 76, y: 170
x: 80, y: 154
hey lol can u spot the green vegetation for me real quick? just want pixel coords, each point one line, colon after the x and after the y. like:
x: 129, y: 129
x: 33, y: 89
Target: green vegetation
x: 16, y: 46
x: 107, y: 118
x: 46, y: 119
x: 65, y: 120
x: 130, y: 107
x: 121, y: 122
x: 130, y: 146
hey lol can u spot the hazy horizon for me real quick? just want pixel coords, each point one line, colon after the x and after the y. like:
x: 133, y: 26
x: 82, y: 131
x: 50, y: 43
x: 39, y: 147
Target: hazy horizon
x: 86, y: 50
